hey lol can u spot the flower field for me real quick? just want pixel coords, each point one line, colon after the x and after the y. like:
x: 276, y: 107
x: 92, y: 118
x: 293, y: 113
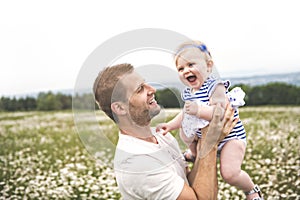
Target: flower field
x: 43, y: 157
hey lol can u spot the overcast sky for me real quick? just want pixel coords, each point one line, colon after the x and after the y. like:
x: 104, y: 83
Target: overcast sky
x: 43, y: 44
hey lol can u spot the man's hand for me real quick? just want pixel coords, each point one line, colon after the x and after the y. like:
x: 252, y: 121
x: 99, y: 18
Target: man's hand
x: 218, y: 129
x: 223, y: 127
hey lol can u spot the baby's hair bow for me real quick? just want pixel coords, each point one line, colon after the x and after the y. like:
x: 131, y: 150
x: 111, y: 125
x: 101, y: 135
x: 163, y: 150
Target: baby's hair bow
x: 202, y: 48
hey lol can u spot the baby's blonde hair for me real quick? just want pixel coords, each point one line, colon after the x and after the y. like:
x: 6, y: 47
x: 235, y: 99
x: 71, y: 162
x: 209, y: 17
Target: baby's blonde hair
x: 192, y: 44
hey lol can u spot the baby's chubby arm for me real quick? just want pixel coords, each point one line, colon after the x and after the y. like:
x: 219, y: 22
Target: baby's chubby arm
x: 219, y: 96
x: 173, y: 124
x: 204, y: 111
x: 200, y: 111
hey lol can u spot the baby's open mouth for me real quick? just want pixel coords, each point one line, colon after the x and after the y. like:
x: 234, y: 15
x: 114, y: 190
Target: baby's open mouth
x: 191, y: 78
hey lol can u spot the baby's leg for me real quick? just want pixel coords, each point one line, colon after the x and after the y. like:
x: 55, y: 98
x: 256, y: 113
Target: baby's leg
x: 231, y: 159
x: 193, y: 148
x: 191, y: 143
x: 185, y: 139
x: 190, y: 154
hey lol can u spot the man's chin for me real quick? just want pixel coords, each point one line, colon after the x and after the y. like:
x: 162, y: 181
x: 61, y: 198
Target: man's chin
x: 155, y: 112
x: 144, y: 118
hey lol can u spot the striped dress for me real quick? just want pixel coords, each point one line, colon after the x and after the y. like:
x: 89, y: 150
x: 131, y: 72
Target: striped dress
x: 202, y: 95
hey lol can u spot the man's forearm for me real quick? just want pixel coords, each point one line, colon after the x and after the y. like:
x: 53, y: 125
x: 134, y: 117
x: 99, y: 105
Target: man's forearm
x: 204, y: 180
x: 203, y: 176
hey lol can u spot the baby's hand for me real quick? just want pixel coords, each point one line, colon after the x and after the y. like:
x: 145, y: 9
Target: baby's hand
x: 191, y: 107
x: 163, y: 128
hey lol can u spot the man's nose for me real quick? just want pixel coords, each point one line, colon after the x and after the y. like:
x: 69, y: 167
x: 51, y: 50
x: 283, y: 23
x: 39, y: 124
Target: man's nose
x: 150, y: 89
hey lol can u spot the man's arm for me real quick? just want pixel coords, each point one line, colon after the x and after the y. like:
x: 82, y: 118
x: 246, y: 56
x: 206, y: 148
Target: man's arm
x: 203, y: 177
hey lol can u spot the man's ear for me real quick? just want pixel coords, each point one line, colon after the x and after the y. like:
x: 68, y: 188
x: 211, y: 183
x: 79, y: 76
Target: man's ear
x: 118, y: 108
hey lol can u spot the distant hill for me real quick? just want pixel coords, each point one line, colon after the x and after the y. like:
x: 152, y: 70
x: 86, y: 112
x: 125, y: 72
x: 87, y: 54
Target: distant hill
x: 290, y: 78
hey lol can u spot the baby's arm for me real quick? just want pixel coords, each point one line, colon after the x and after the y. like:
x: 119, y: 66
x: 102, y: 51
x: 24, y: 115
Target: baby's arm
x: 219, y: 96
x: 200, y: 111
x: 173, y: 124
x: 206, y: 112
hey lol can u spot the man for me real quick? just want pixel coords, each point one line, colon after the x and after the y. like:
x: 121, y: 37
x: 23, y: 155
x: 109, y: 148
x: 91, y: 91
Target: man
x: 149, y: 165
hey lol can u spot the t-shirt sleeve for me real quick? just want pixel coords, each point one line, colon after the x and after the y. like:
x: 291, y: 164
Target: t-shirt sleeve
x: 158, y: 184
x: 164, y: 185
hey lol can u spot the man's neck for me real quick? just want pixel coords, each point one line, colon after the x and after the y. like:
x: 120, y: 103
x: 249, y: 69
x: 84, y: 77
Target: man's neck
x: 143, y: 133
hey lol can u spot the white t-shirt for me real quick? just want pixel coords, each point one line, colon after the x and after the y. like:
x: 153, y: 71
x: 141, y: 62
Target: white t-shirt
x: 146, y: 170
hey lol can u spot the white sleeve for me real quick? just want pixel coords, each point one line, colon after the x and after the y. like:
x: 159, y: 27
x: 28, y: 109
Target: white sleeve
x: 164, y: 184
x: 160, y: 184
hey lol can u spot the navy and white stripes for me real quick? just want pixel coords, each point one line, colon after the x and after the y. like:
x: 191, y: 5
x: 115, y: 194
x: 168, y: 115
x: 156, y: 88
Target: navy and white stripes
x: 203, y: 95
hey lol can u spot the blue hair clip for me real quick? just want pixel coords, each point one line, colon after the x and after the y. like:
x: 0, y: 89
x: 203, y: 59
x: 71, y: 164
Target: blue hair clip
x: 202, y: 47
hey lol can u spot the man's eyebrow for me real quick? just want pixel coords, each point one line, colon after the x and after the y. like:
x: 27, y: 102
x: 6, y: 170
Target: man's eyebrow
x: 140, y: 85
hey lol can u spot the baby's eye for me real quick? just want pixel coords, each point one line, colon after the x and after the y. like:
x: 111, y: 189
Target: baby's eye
x: 191, y: 64
x: 180, y: 69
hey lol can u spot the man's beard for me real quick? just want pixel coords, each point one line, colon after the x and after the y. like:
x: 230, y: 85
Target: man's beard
x: 142, y: 118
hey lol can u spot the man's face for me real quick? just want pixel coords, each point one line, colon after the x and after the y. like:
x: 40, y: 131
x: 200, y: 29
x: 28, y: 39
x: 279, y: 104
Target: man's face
x: 142, y: 104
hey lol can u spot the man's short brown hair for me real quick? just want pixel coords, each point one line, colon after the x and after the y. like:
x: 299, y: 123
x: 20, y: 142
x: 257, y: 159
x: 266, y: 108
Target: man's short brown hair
x: 107, y: 88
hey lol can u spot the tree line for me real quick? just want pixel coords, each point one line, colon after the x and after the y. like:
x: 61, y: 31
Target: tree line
x: 270, y: 94
x: 45, y: 101
x: 275, y: 93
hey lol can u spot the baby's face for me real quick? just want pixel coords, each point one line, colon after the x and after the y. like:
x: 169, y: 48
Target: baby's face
x: 192, y: 68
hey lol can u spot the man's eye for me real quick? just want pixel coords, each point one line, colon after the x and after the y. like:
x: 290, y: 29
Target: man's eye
x: 140, y: 89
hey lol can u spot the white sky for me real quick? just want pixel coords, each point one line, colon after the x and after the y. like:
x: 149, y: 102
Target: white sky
x: 43, y: 44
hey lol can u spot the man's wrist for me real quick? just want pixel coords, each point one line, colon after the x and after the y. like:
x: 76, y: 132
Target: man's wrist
x: 206, y: 149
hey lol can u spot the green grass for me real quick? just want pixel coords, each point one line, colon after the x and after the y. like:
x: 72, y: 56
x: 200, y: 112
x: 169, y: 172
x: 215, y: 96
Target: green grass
x: 43, y: 156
